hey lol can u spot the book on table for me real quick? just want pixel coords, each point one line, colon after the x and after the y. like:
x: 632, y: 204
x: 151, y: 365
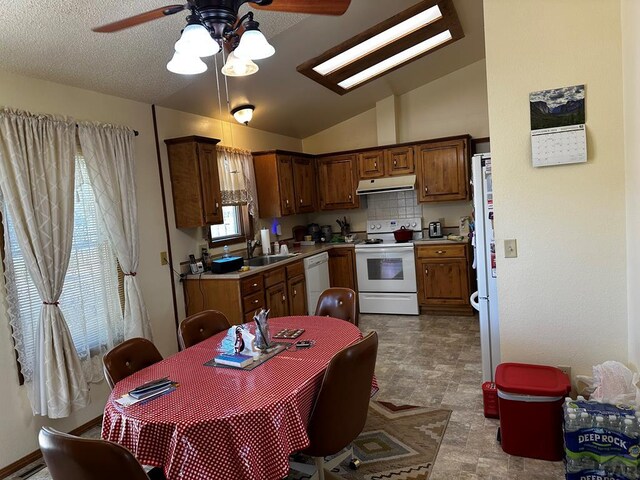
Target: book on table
x: 152, y: 388
x: 234, y: 360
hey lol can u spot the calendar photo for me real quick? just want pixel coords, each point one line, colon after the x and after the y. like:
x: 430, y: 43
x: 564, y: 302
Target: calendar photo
x: 558, y: 107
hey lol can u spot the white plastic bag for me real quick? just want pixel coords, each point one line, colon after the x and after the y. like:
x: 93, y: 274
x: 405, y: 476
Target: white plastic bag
x: 615, y: 383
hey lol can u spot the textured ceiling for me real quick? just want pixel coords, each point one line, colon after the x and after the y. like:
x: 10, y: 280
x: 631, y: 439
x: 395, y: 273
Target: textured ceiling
x: 53, y: 40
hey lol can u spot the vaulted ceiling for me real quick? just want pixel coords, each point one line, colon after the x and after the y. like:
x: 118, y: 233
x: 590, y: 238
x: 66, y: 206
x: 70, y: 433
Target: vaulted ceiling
x: 53, y: 40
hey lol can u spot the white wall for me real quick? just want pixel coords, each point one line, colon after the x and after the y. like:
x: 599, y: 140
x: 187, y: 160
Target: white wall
x: 563, y: 300
x: 18, y: 427
x: 356, y: 132
x: 631, y: 67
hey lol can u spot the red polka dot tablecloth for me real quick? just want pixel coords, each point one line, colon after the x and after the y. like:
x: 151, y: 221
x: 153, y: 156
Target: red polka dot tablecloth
x: 224, y: 423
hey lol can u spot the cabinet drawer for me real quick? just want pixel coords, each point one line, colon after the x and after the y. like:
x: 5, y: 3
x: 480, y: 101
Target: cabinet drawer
x: 251, y: 285
x: 252, y: 302
x: 295, y: 269
x: 439, y: 251
x: 273, y: 277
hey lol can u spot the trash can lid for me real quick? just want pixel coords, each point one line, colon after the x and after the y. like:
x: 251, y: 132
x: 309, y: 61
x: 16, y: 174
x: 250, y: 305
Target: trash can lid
x: 530, y: 379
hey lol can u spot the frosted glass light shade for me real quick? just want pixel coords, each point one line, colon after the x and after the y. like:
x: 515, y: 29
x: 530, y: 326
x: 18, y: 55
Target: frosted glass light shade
x: 243, y: 114
x: 196, y: 41
x: 239, y: 67
x: 186, y: 64
x: 254, y: 46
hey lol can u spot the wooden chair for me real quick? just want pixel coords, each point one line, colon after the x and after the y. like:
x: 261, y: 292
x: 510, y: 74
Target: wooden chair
x: 129, y: 357
x: 200, y: 326
x: 69, y: 457
x: 338, y: 303
x: 341, y: 408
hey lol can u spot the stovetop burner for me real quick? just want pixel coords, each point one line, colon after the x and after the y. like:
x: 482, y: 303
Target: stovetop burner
x: 370, y: 241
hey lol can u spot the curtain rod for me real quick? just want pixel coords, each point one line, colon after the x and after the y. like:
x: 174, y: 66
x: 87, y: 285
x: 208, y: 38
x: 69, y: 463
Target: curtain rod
x: 135, y: 132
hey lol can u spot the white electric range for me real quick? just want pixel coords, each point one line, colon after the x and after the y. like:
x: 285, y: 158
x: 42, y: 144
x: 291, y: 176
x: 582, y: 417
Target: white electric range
x: 386, y: 269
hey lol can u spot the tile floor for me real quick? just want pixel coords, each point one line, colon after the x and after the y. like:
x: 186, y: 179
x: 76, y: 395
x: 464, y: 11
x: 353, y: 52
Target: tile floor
x: 433, y: 360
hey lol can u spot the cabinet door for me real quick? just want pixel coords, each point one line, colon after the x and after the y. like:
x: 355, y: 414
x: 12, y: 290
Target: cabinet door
x: 297, y: 296
x: 304, y: 184
x: 210, y: 183
x: 276, y: 297
x: 285, y: 182
x: 371, y: 164
x: 342, y: 268
x: 399, y: 161
x: 443, y: 171
x: 443, y: 282
x: 337, y: 182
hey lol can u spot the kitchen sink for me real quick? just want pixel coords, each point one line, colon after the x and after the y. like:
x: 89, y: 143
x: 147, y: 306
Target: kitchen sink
x: 267, y: 260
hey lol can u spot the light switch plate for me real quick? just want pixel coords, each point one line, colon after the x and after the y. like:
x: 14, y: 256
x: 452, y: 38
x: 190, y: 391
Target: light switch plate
x: 164, y: 259
x: 510, y: 248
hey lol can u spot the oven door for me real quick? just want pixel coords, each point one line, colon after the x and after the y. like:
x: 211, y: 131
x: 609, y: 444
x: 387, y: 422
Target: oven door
x: 386, y: 269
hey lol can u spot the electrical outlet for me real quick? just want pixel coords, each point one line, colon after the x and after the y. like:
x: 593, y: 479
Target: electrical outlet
x: 565, y: 369
x: 510, y: 248
x: 164, y: 259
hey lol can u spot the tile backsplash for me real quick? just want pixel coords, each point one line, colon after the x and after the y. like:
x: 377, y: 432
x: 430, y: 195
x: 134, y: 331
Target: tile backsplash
x: 393, y: 205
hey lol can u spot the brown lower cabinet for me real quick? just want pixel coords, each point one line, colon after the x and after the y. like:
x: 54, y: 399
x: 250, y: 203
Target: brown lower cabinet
x: 444, y: 279
x: 238, y: 299
x: 342, y: 268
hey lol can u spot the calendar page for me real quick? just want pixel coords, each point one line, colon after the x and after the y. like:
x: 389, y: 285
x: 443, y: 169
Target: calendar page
x: 558, y: 132
x: 556, y: 146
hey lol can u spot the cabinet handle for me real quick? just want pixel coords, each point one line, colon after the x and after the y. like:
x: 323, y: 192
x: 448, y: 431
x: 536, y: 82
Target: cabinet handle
x: 255, y: 301
x: 375, y: 164
x: 300, y: 201
x: 441, y: 251
x: 217, y: 205
x: 395, y: 162
x: 254, y: 285
x: 426, y: 271
x: 287, y: 202
x: 349, y: 196
x: 284, y: 299
x: 295, y: 293
x: 426, y: 189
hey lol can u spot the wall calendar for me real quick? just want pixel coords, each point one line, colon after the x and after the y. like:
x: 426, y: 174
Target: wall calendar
x: 558, y: 133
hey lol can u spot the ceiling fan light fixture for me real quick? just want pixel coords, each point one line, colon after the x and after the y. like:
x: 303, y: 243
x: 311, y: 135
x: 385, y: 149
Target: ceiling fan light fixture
x: 238, y: 67
x: 186, y: 64
x: 243, y: 113
x: 196, y: 41
x: 254, y: 45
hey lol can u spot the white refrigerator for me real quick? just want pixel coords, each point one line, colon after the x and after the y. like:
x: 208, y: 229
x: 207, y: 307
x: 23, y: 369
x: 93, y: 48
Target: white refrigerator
x: 485, y: 300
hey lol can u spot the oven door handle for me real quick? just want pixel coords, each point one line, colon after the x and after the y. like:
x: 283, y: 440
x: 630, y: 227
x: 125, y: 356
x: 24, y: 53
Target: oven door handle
x: 376, y: 250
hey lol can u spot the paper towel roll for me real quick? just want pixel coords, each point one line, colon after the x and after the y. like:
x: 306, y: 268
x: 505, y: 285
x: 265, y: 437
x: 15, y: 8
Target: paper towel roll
x: 265, y: 238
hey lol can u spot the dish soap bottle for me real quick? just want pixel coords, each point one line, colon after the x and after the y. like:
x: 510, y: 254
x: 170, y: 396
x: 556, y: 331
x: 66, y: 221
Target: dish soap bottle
x: 226, y: 252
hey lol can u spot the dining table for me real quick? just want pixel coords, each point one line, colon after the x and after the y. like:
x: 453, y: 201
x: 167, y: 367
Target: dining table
x: 229, y: 423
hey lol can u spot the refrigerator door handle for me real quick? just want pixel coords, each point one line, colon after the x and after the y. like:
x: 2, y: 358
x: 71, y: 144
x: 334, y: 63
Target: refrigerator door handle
x: 473, y: 299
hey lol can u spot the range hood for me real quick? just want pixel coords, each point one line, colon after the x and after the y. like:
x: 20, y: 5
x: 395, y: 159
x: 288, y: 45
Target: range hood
x: 385, y: 185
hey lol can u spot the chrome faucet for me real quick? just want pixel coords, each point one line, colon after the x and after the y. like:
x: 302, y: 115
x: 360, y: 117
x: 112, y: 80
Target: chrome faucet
x: 251, y: 246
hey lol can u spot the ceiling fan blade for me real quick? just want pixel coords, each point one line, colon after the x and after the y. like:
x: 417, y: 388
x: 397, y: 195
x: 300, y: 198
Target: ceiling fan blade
x: 324, y: 7
x: 141, y: 18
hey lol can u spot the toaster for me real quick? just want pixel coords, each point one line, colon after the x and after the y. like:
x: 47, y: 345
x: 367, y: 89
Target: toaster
x: 435, y: 230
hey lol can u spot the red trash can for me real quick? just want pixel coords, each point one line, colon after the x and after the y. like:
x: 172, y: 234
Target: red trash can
x: 530, y: 401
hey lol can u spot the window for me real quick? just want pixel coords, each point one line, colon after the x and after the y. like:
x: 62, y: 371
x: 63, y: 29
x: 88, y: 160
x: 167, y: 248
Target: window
x: 90, y: 298
x: 235, y: 228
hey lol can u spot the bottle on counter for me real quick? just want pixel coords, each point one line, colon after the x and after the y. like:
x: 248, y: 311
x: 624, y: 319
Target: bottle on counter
x: 226, y: 252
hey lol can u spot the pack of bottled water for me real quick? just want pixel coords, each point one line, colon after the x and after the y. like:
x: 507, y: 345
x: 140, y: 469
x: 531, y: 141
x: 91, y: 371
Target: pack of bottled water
x: 601, y: 440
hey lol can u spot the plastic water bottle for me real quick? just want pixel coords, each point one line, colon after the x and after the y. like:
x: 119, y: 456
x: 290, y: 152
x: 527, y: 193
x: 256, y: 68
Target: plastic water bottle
x: 613, y: 423
x: 599, y: 421
x: 571, y: 424
x: 573, y: 465
x: 585, y: 420
x: 226, y: 251
x: 629, y: 428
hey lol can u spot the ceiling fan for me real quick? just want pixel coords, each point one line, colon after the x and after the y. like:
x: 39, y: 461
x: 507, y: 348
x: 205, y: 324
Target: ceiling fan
x: 214, y: 24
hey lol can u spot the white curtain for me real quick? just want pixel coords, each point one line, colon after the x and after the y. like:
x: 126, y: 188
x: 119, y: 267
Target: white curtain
x: 108, y: 154
x: 37, y: 167
x: 237, y: 178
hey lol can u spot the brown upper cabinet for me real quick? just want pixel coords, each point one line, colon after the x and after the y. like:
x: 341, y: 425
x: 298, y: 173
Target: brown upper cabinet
x: 195, y: 182
x: 443, y: 170
x: 387, y: 162
x: 337, y: 182
x: 285, y: 183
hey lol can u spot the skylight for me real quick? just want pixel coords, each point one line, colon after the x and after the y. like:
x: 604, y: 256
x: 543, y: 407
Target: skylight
x: 401, y: 39
x: 380, y: 40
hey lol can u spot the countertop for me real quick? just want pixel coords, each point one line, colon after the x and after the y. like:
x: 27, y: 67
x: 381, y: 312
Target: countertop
x: 304, y: 252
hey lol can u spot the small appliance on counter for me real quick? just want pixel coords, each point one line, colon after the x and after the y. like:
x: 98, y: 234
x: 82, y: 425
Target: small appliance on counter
x: 227, y: 264
x: 313, y: 229
x: 435, y: 230
x: 326, y: 233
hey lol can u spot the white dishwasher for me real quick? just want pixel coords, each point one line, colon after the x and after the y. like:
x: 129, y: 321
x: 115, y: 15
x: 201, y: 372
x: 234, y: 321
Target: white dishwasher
x: 316, y: 272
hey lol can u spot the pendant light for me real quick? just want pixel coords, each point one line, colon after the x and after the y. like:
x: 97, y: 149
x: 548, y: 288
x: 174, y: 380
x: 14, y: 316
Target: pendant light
x: 243, y: 113
x: 238, y: 67
x: 253, y: 44
x: 196, y: 41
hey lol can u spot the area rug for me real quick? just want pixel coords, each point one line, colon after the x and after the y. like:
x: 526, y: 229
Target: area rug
x: 398, y: 442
